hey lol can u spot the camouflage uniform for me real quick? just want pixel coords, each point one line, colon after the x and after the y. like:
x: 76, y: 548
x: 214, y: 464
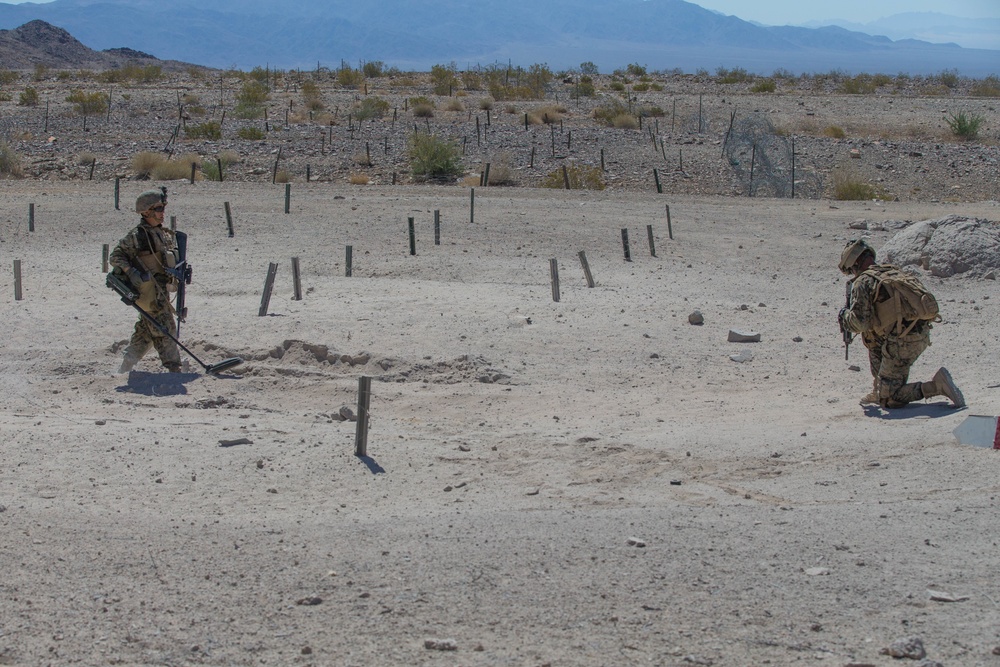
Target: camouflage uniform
x: 151, y: 249
x: 890, y: 356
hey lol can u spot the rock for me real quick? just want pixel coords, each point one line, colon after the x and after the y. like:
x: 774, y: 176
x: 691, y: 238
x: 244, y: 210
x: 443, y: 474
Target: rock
x: 817, y: 571
x: 100, y: 422
x: 348, y: 414
x: 908, y: 647
x: 742, y: 357
x: 310, y: 601
x: 441, y: 644
x: 855, y: 368
x: 237, y: 441
x: 743, y: 336
x: 636, y: 542
x: 858, y: 224
x: 696, y: 318
x: 797, y: 339
x: 941, y: 596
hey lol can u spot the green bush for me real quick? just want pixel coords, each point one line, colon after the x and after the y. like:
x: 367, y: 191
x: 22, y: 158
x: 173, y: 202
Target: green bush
x: 988, y: 87
x: 370, y: 107
x: 8, y: 77
x: 635, y: 69
x: 210, y: 130
x: 29, y: 98
x: 88, y: 104
x: 948, y: 77
x: 311, y: 96
x: 606, y: 114
x: 251, y: 133
x: 584, y: 87
x: 580, y: 178
x: 965, y: 126
x: 175, y: 170
x: 433, y: 158
x: 373, y: 69
x: 847, y: 187
x: 250, y: 99
x: 734, y: 75
x: 443, y: 79
x: 350, y: 78
x: 588, y: 68
x: 862, y: 84
x: 763, y: 86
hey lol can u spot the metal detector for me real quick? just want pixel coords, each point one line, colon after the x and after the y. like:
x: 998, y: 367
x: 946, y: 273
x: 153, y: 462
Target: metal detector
x: 129, y: 297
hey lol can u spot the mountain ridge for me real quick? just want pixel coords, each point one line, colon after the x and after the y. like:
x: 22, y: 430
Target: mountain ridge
x: 659, y: 34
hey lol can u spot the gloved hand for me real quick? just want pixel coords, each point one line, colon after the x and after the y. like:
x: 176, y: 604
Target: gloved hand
x: 138, y: 277
x: 841, y: 318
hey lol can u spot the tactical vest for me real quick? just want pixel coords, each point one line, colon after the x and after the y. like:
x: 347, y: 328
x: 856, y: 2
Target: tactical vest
x: 900, y: 301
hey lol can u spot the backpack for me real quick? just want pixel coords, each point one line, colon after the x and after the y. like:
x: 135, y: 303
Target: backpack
x: 900, y: 297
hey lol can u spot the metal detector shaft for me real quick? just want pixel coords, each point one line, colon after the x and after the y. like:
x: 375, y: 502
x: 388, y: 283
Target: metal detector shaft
x: 225, y: 364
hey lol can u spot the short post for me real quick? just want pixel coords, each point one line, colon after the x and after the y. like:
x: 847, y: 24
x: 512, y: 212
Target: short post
x: 173, y: 223
x: 348, y: 261
x: 486, y: 175
x: 31, y: 217
x: 104, y: 257
x: 437, y: 227
x: 680, y: 159
x: 793, y: 166
x: 265, y: 299
x: 628, y: 253
x: 670, y: 228
x: 586, y: 269
x: 308, y: 173
x: 288, y: 198
x: 218, y: 163
x: 656, y: 177
x: 194, y: 165
x: 17, y: 280
x: 652, y: 244
x: 117, y: 190
x: 413, y: 236
x: 229, y: 219
x: 565, y: 177
x: 602, y: 160
x: 296, y: 280
x: 274, y: 172
x: 753, y: 158
x: 364, y: 402
x: 472, y: 205
x: 554, y: 273
x: 531, y: 163
x: 553, y: 128
x: 92, y: 165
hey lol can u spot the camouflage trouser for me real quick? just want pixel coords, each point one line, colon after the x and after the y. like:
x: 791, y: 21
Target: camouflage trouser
x: 146, y: 335
x: 890, y: 360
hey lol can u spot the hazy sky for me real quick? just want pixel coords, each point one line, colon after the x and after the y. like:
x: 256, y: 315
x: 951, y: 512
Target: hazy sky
x: 793, y: 12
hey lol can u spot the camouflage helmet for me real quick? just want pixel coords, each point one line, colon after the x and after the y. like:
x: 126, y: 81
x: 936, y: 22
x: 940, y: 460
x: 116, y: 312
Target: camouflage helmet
x: 149, y: 199
x: 853, y: 251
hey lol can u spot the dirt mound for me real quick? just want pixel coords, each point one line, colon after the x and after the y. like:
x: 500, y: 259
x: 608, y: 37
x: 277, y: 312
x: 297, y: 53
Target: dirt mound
x: 948, y: 246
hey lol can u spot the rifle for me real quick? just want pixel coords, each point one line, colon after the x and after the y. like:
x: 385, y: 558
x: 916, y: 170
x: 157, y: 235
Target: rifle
x: 182, y: 272
x: 844, y: 331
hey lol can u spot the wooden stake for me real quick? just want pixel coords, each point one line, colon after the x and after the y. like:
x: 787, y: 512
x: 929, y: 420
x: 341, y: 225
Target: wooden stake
x: 437, y: 227
x: 413, y: 236
x: 229, y: 220
x: 17, y: 280
x: 652, y: 244
x: 628, y: 253
x: 105, y: 249
x: 265, y: 299
x: 656, y: 177
x: 554, y: 273
x: 364, y: 403
x: 586, y: 269
x: 296, y: 280
x: 348, y: 261
x: 288, y: 198
x: 670, y: 228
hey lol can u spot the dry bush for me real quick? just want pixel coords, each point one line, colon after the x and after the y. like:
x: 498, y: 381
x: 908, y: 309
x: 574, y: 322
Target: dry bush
x: 454, y: 104
x: 486, y: 103
x: 145, y: 162
x: 471, y: 181
x: 501, y: 171
x: 358, y: 179
x: 580, y: 178
x: 85, y: 159
x: 834, y: 132
x: 510, y: 109
x: 282, y: 176
x: 552, y: 113
x: 423, y: 110
x: 847, y: 186
x: 176, y: 169
x: 625, y: 121
x: 10, y: 162
x: 229, y: 156
x: 362, y: 159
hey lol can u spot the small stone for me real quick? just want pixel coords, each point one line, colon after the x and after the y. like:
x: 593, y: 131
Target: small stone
x: 636, y: 542
x: 743, y: 336
x: 348, y: 414
x: 858, y: 224
x: 991, y: 275
x: 464, y: 448
x: 818, y: 571
x: 675, y: 482
x: 272, y: 490
x: 307, y: 650
x: 855, y: 368
x: 533, y: 491
x: 797, y: 339
x: 441, y: 644
x: 260, y: 463
x: 101, y: 422
x: 742, y: 357
x: 696, y: 318
x: 310, y: 601
x: 908, y: 647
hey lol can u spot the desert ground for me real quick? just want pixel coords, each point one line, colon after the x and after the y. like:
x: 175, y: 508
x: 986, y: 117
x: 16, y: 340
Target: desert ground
x: 588, y: 481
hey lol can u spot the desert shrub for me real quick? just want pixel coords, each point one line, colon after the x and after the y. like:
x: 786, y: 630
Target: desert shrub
x: 373, y: 69
x: 763, y: 86
x: 617, y: 86
x: 605, y: 114
x: 640, y: 87
x: 433, y: 158
x: 250, y: 99
x: 454, y: 104
x: 176, y: 169
x: 350, y: 78
x: 41, y: 71
x: 834, y: 132
x: 29, y: 97
x: 580, y: 178
x: 486, y: 103
x: 251, y: 133
x: 8, y: 77
x: 443, y: 79
x: 635, y: 69
x: 547, y: 115
x: 584, y: 87
x: 988, y: 87
x: 625, y: 121
x: 948, y: 77
x: 588, y: 68
x: 862, y: 84
x: 282, y: 176
x: 848, y: 187
x: 131, y: 72
x: 649, y: 110
x: 311, y: 96
x: 501, y: 171
x: 370, y: 107
x: 229, y: 157
x: 10, y: 161
x: 965, y: 126
x: 734, y: 75
x: 472, y: 81
x: 210, y: 130
x: 423, y: 110
x: 88, y: 104
x: 358, y: 179
x: 85, y: 159
x: 210, y: 167
x: 145, y: 162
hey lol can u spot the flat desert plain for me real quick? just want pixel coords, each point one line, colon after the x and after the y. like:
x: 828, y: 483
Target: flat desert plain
x: 588, y: 481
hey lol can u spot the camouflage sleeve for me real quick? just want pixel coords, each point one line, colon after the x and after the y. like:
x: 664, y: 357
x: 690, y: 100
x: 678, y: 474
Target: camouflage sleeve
x: 121, y: 256
x: 858, y: 317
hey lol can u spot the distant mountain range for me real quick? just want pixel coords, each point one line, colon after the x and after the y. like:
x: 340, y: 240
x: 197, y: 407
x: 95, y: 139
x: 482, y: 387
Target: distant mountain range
x: 659, y: 34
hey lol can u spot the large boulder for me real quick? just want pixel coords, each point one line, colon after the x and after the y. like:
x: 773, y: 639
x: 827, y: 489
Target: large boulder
x: 946, y: 247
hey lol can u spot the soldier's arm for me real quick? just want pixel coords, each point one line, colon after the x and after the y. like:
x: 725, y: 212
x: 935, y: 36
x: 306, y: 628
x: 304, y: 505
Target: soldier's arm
x: 858, y: 318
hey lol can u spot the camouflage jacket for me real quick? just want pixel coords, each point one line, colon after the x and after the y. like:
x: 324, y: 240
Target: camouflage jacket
x: 859, y: 317
x: 146, y: 248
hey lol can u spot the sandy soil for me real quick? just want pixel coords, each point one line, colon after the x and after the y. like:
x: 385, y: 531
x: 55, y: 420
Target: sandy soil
x: 592, y: 481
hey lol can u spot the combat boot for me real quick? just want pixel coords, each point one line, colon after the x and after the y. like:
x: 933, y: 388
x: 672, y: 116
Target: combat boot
x: 942, y: 384
x: 128, y: 362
